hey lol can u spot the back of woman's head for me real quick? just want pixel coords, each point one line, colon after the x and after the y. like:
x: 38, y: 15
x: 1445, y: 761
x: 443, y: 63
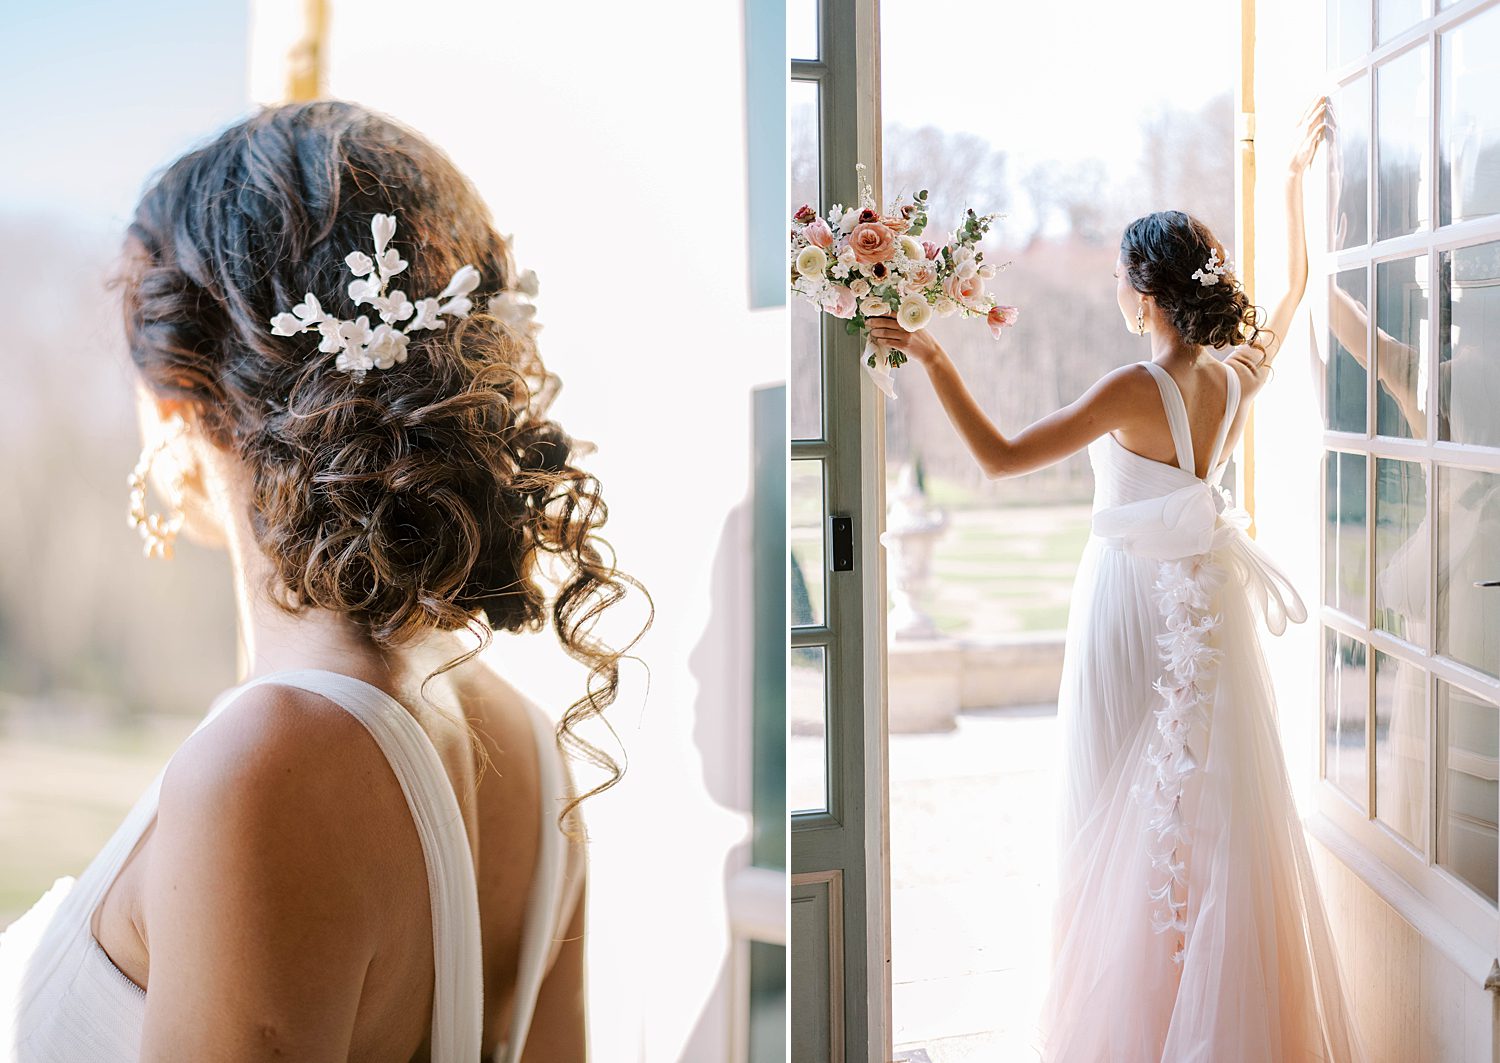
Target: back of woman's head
x: 1161, y: 252
x: 421, y: 497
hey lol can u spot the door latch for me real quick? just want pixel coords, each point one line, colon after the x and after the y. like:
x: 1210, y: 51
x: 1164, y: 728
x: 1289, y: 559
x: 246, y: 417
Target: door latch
x: 841, y: 552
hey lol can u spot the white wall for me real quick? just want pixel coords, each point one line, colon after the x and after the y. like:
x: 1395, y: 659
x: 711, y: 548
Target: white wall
x: 610, y: 140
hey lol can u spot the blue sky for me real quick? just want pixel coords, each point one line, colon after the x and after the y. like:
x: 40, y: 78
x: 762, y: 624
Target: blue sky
x: 101, y: 95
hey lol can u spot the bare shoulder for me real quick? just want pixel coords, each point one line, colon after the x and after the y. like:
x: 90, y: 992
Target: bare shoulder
x: 271, y: 746
x: 286, y: 787
x: 281, y: 869
x: 1127, y: 390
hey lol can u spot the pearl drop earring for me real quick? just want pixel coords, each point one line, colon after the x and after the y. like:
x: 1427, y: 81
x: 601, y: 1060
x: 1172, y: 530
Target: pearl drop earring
x: 159, y: 532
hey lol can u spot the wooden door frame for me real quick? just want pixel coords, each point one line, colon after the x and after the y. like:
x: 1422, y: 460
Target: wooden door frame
x: 846, y: 848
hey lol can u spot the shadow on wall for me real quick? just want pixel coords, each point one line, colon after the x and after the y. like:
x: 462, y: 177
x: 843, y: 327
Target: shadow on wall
x: 722, y: 726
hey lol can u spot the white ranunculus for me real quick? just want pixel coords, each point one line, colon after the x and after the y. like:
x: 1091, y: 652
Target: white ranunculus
x: 911, y: 248
x: 811, y: 261
x: 860, y: 287
x: 914, y: 313
x: 874, y: 306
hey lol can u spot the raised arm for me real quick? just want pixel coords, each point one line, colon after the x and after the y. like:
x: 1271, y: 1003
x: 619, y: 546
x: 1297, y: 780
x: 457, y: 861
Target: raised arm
x: 1109, y: 404
x: 1316, y: 126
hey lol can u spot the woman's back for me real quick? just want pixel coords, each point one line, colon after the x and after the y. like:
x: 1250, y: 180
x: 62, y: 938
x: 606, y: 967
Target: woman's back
x: 312, y: 819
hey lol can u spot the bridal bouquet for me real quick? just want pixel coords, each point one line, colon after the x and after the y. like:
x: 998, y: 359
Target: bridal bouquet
x: 858, y: 263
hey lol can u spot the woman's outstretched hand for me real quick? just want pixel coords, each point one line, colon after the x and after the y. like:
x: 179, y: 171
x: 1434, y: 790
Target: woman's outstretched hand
x: 919, y: 346
x: 1317, y: 125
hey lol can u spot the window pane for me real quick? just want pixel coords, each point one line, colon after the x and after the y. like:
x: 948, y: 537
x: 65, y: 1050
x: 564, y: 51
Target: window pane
x: 807, y: 722
x: 802, y: 29
x: 1467, y: 748
x: 1469, y: 348
x: 1349, y: 167
x: 1469, y: 177
x: 807, y: 332
x: 1401, y: 174
x: 1348, y: 346
x: 1345, y: 692
x: 1468, y: 552
x: 1401, y: 748
x: 1401, y: 355
x: 1401, y: 551
x: 1393, y: 16
x: 767, y: 1003
x: 1344, y: 533
x: 805, y: 534
x: 1348, y: 30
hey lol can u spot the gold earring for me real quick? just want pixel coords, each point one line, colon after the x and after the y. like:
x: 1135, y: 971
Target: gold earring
x: 1140, y: 320
x: 159, y: 532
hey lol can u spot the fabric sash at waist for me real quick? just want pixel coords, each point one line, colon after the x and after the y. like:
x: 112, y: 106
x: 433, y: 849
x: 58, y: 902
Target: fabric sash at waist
x: 1195, y: 520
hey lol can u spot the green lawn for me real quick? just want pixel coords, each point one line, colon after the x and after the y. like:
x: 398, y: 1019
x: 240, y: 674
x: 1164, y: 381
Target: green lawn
x: 60, y: 800
x: 998, y: 568
x: 1007, y: 570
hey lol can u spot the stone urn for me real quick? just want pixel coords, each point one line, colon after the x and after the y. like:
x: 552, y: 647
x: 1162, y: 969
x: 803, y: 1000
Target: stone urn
x: 913, y: 527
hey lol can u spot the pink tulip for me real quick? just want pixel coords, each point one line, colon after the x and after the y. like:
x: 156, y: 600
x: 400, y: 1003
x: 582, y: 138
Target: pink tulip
x: 1001, y: 317
x: 819, y: 234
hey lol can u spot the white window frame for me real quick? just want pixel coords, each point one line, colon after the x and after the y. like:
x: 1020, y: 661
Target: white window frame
x: 1447, y: 911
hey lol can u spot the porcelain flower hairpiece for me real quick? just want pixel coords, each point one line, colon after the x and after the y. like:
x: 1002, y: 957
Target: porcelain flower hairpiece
x: 1212, y: 270
x: 359, y: 347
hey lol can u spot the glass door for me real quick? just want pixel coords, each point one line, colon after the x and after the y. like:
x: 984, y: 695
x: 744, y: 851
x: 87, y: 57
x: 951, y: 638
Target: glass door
x: 835, y: 677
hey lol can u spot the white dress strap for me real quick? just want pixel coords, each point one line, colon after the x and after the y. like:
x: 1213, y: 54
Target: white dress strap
x: 1177, y: 418
x: 1231, y: 407
x: 458, y: 989
x: 545, y: 905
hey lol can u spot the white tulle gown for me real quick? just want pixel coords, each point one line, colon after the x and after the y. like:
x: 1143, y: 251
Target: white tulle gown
x: 1188, y: 923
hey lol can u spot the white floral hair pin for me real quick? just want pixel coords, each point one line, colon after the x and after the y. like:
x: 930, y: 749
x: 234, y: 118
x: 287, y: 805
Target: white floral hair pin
x: 1213, y: 270
x: 361, y: 348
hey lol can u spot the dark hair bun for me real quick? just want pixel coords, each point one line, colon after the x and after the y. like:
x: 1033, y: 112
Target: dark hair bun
x: 421, y: 498
x: 1161, y: 252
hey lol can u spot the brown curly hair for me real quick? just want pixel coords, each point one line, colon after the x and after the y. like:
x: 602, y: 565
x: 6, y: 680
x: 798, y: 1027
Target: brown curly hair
x: 424, y: 497
x: 1160, y: 252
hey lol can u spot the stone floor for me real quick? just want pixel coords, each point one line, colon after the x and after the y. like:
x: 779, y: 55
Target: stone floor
x: 972, y: 854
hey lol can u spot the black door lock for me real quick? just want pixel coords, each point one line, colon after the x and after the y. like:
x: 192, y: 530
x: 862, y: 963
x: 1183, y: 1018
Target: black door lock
x: 841, y: 554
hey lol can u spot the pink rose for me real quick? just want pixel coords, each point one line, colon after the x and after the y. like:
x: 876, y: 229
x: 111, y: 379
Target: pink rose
x: 1001, y: 317
x: 819, y: 234
x: 872, y: 242
x: 839, y: 301
x: 930, y: 249
x: 921, y: 276
x: 965, y: 291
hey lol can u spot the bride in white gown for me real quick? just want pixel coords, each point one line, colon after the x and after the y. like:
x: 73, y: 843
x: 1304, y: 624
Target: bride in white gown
x: 1188, y: 925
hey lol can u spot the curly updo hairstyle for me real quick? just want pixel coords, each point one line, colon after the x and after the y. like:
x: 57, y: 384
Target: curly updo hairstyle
x: 1161, y: 252
x: 423, y: 498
